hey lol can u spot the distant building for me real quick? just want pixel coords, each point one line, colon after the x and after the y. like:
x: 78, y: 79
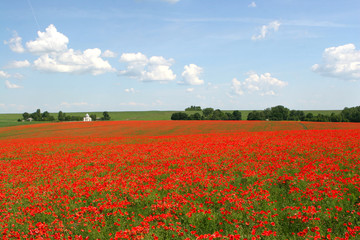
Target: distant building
x: 87, y: 118
x: 29, y: 119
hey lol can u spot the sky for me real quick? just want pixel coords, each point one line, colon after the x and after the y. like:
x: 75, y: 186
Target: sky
x: 139, y: 55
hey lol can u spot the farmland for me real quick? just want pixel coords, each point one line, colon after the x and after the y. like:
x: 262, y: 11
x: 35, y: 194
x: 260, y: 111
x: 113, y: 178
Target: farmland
x: 180, y: 180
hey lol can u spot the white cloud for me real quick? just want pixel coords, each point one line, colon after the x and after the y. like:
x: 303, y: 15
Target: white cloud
x: 274, y: 26
x: 55, y: 56
x: 48, y: 42
x: 7, y: 75
x: 252, y: 5
x: 18, y: 64
x: 4, y: 74
x: 108, y: 54
x: 190, y: 90
x: 341, y: 62
x: 236, y: 87
x: 15, y: 44
x: 263, y: 84
x: 191, y: 75
x: 71, y: 61
x: 142, y: 68
x: 8, y: 84
x: 130, y: 90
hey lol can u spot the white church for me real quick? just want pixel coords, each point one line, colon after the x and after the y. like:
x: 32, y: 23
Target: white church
x: 87, y: 118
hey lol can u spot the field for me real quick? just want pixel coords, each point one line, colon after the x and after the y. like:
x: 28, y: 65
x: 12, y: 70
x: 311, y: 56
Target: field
x: 180, y: 180
x: 7, y: 120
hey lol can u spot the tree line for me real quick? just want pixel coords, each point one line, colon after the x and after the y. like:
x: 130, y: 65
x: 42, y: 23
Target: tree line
x: 277, y: 113
x: 206, y: 114
x: 45, y: 116
x: 281, y: 113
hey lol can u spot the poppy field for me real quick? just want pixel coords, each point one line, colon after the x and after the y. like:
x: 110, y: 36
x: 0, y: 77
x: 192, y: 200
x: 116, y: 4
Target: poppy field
x: 180, y: 180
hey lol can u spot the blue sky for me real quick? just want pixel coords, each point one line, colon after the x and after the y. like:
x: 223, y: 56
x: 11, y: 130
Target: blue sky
x: 169, y: 54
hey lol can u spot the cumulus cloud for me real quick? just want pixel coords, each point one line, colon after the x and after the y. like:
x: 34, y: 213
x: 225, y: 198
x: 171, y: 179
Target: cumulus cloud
x: 48, y: 42
x: 252, y: 5
x: 18, y: 64
x: 71, y: 61
x: 54, y: 55
x: 342, y: 62
x: 191, y: 75
x: 265, y: 29
x: 142, y: 68
x: 108, y: 54
x: 4, y: 74
x: 8, y: 84
x: 263, y: 84
x: 15, y: 44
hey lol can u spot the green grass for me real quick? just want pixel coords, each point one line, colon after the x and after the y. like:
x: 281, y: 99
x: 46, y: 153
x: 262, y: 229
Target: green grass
x: 7, y: 120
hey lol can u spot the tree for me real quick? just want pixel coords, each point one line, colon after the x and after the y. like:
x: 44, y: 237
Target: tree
x: 279, y: 113
x: 106, y: 116
x: 236, y: 115
x: 26, y: 115
x: 336, y: 117
x: 207, y: 112
x: 193, y: 108
x: 351, y: 114
x: 296, y: 115
x: 195, y: 116
x: 36, y: 115
x: 309, y: 117
x: 256, y: 115
x: 45, y: 116
x: 179, y: 116
x: 218, y: 115
x: 61, y: 116
x: 93, y: 117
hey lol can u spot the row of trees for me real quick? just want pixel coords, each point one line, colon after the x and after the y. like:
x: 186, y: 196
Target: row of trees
x: 281, y: 113
x: 207, y: 114
x: 193, y: 108
x: 45, y: 116
x: 277, y: 113
x: 38, y: 116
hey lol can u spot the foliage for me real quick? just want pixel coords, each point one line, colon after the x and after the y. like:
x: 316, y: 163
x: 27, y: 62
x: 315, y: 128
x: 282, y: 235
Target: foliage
x: 193, y: 108
x: 351, y: 114
x: 38, y: 116
x: 179, y: 116
x: 280, y: 113
x: 93, y: 117
x: 208, y: 114
x: 64, y: 117
x: 106, y: 116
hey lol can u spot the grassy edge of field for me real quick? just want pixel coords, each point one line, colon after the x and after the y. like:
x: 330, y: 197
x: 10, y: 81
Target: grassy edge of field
x: 7, y: 120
